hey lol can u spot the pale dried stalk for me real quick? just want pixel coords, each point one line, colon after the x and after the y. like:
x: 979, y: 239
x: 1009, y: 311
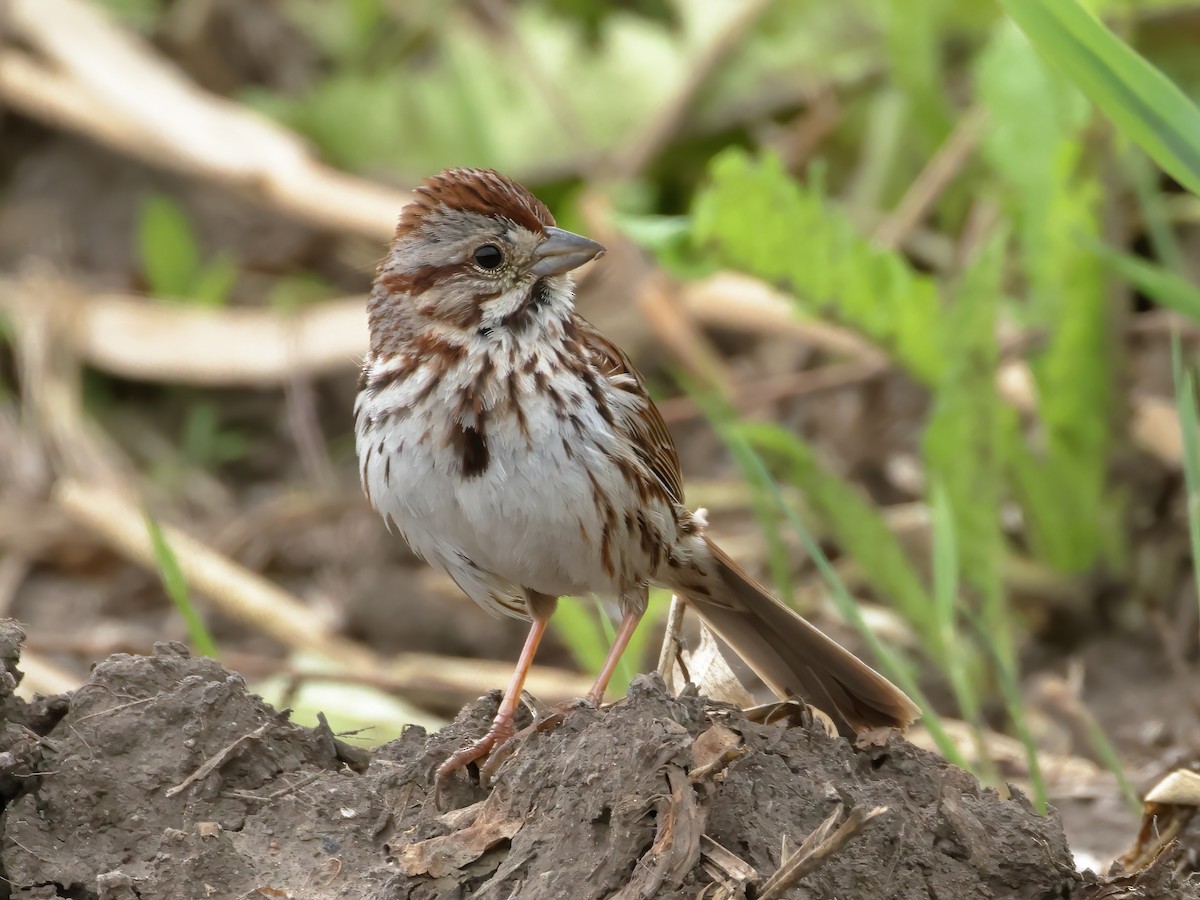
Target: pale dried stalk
x: 933, y: 180
x: 234, y: 589
x: 817, y: 849
x: 135, y: 338
x: 675, y: 326
x: 250, y: 598
x: 44, y: 677
x: 436, y: 681
x: 747, y: 304
x: 100, y: 81
x: 242, y: 346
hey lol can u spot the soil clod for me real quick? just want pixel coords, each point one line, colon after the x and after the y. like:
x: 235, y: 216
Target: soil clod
x: 162, y: 777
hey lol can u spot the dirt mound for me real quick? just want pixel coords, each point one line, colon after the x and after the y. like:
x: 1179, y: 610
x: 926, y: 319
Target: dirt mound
x: 163, y: 778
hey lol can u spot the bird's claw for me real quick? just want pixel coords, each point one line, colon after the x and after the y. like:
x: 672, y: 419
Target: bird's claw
x: 472, y: 753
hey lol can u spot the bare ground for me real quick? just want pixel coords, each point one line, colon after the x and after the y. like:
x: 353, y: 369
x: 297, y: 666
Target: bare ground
x: 162, y: 777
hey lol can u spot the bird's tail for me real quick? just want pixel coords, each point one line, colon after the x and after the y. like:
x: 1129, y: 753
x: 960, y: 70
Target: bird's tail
x: 791, y: 655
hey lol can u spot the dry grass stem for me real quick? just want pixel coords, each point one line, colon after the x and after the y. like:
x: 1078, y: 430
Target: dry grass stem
x: 670, y: 651
x: 217, y: 760
x: 933, y: 180
x: 138, y: 339
x: 44, y: 677
x: 448, y: 682
x: 93, y: 78
x: 816, y: 850
x: 725, y: 868
x: 756, y: 395
x: 676, y: 328
x: 746, y: 304
x: 234, y: 589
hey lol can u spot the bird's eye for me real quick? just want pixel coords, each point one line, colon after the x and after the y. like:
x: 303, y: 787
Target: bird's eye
x: 489, y: 256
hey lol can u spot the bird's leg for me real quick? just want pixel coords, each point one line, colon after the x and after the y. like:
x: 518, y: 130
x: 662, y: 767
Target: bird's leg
x: 504, y: 749
x: 502, y: 726
x: 629, y: 623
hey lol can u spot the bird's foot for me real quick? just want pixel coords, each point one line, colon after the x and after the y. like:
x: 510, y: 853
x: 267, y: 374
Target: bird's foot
x: 545, y: 720
x: 498, y: 735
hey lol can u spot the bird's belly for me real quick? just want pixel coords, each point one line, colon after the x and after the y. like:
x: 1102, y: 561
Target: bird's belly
x: 530, y: 516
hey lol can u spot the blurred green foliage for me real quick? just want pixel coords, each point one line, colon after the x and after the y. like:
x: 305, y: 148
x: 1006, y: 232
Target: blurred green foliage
x: 171, y: 257
x: 205, y: 443
x: 762, y: 221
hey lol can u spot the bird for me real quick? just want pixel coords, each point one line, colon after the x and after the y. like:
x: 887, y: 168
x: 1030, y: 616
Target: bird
x: 517, y: 449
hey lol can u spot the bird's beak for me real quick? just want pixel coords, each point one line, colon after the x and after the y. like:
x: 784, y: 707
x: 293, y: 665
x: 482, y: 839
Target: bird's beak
x: 561, y: 251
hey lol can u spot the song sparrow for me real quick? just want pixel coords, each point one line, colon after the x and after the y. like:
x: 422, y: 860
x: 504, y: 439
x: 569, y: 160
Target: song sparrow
x: 516, y: 448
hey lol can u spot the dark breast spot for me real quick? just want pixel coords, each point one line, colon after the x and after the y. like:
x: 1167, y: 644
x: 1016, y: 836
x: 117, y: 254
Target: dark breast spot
x: 469, y: 442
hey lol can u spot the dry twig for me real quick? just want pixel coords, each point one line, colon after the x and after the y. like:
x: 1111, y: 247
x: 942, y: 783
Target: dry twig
x: 744, y: 303
x: 816, y: 850
x: 131, y: 337
x: 237, y: 591
x: 98, y: 80
x: 933, y: 180
x: 215, y: 762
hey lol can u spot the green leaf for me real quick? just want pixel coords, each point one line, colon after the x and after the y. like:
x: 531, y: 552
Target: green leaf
x: 1144, y: 104
x: 957, y: 658
x: 141, y: 15
x: 1075, y: 382
x: 1034, y: 144
x: 1034, y: 118
x: 214, y: 282
x: 170, y: 255
x: 759, y: 219
x: 205, y: 443
x: 914, y: 34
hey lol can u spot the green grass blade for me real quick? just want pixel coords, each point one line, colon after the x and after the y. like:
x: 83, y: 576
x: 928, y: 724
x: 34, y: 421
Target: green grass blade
x: 761, y: 503
x: 955, y: 652
x: 1185, y: 402
x: 945, y: 563
x: 1143, y: 176
x: 1158, y: 283
x: 1107, y: 754
x: 1010, y: 690
x: 588, y: 635
x: 1145, y: 105
x: 176, y: 588
x: 582, y: 632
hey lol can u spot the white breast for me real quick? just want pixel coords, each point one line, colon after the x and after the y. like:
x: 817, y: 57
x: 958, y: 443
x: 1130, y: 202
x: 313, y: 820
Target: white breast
x: 530, y: 519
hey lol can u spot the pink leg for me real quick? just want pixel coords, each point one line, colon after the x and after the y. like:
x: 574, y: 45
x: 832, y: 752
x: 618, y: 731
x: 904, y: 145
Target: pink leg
x: 629, y: 623
x: 502, y: 726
